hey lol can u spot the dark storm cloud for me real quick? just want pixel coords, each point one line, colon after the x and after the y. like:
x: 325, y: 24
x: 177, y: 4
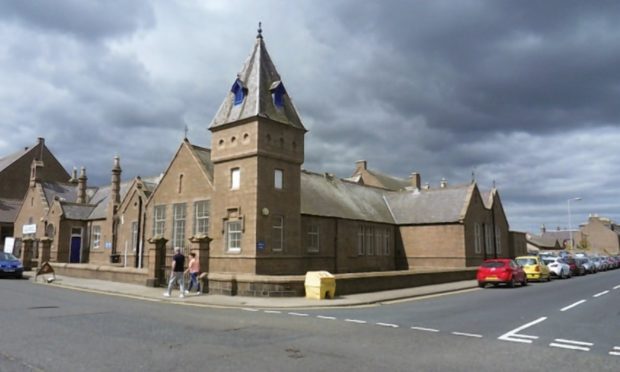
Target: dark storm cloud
x: 82, y: 19
x: 521, y: 93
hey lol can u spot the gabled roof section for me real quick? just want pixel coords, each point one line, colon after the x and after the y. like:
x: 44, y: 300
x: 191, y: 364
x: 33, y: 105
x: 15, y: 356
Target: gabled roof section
x: 75, y: 211
x: 101, y: 198
x: 418, y: 207
x: 390, y: 182
x: 327, y: 196
x: 64, y: 191
x: 258, y: 91
x: 9, y: 208
x: 204, y: 159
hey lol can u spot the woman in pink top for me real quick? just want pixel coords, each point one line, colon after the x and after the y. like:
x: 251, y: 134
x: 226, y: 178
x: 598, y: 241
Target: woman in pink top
x: 194, y: 269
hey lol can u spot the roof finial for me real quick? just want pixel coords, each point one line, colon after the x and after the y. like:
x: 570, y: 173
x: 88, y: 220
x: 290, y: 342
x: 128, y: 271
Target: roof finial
x: 473, y: 176
x: 260, y: 30
x: 493, y: 183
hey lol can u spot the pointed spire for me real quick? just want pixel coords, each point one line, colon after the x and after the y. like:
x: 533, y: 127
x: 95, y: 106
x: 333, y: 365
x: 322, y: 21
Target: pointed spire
x: 257, y: 91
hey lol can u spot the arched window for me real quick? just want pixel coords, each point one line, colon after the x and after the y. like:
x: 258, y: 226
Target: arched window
x: 180, y: 188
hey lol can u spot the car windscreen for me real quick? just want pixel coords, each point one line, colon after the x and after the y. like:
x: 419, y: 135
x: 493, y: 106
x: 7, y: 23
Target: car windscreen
x: 7, y: 257
x: 526, y: 261
x: 548, y: 260
x: 493, y: 264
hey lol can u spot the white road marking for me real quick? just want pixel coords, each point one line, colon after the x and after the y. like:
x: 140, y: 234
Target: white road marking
x: 526, y: 336
x: 248, y: 309
x: 572, y: 305
x: 326, y: 317
x: 574, y: 342
x: 425, y: 329
x: 466, y: 334
x: 355, y: 321
x: 600, y: 294
x: 616, y: 287
x: 515, y: 337
x: 297, y: 314
x: 616, y: 347
x: 572, y: 347
x: 614, y: 353
x: 273, y: 312
x: 387, y: 325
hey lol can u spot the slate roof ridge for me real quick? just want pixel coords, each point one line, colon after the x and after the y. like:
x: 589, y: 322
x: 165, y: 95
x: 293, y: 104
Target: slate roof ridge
x: 346, y: 180
x: 258, y: 78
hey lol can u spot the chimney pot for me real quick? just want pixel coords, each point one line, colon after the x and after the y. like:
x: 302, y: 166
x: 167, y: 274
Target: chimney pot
x: 443, y: 183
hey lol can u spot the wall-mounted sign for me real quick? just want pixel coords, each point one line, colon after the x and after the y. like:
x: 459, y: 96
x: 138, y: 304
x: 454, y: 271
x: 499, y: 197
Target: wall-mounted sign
x: 108, y: 245
x: 29, y: 229
x: 260, y: 245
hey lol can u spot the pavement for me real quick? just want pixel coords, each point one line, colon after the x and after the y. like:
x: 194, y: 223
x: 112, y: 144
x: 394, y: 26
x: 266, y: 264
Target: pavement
x: 212, y: 300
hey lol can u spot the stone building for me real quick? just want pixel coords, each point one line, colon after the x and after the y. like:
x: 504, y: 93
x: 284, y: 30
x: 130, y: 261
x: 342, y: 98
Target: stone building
x: 15, y: 175
x: 599, y: 235
x: 249, y: 209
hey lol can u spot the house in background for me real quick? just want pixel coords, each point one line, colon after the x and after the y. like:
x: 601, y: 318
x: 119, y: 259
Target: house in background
x: 599, y: 235
x: 15, y: 175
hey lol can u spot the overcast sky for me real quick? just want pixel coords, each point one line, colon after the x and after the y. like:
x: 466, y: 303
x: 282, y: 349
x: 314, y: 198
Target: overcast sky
x: 523, y: 93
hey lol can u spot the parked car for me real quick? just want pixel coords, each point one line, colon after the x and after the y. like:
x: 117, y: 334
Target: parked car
x: 557, y: 267
x: 600, y: 264
x: 500, y: 270
x: 10, y: 266
x: 576, y: 267
x: 534, y: 268
x: 588, y: 264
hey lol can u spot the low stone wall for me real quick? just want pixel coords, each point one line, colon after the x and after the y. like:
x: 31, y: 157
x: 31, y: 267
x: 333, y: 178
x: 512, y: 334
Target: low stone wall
x: 292, y: 286
x: 387, y: 280
x: 102, y: 272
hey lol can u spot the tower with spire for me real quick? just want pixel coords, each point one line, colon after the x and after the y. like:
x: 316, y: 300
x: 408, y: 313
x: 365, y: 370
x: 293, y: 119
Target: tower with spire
x: 257, y: 142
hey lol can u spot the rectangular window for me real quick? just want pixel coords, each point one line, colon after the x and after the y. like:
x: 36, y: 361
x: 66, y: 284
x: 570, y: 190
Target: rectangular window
x: 134, y: 235
x: 159, y: 220
x: 233, y: 236
x: 379, y: 249
x: 178, y: 233
x: 201, y: 217
x: 277, y: 179
x: 360, y: 241
x: 488, y: 244
x: 387, y: 238
x: 277, y: 233
x: 498, y: 239
x: 368, y: 242
x: 313, y: 237
x: 477, y: 238
x: 96, y: 237
x: 235, y: 178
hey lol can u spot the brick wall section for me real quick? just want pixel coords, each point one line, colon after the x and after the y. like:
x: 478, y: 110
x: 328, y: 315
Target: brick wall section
x: 434, y: 245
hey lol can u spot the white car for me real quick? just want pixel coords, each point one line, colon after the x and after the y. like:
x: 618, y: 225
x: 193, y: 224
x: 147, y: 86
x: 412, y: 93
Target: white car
x: 557, y: 267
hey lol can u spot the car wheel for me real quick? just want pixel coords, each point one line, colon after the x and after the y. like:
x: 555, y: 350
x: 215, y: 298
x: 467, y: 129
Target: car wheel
x: 524, y: 282
x: 512, y: 282
x: 482, y: 284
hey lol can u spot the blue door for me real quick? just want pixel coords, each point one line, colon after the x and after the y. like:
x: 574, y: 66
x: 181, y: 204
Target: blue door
x: 76, y: 243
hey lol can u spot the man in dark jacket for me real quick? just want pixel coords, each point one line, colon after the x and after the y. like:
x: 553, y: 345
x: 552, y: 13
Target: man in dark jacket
x: 176, y: 273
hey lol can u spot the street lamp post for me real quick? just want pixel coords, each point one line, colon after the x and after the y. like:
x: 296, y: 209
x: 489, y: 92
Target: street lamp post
x: 570, y: 230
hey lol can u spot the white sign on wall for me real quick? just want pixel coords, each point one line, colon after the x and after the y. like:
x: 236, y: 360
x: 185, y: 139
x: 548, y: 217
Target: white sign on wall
x: 9, y: 243
x: 29, y: 229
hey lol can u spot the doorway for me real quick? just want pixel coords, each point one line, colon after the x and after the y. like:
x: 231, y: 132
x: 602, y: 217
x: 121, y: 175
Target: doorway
x: 76, y: 245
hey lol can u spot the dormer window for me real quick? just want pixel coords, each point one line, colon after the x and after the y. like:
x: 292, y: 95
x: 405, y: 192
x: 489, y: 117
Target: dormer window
x: 239, y: 90
x: 278, y: 92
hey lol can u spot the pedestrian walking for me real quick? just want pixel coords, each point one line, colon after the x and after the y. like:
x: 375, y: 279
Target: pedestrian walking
x: 176, y: 273
x: 194, y: 270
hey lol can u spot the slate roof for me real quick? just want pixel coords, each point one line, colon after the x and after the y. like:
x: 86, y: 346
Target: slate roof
x: 62, y: 190
x: 100, y: 199
x: 327, y: 196
x: 74, y: 211
x: 204, y: 156
x: 9, y: 208
x: 418, y: 207
x: 6, y: 161
x: 258, y: 78
x: 543, y: 241
x: 389, y: 182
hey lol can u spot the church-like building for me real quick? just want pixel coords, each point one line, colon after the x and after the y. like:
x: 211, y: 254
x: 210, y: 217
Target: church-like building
x: 253, y: 215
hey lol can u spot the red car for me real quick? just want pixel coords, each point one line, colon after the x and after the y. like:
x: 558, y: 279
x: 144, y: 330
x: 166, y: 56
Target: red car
x: 500, y: 270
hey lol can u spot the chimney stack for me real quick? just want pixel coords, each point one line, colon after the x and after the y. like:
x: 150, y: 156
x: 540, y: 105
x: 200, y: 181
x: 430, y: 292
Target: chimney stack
x: 81, y: 196
x: 74, y: 177
x: 361, y: 165
x: 416, y: 181
x: 116, y: 182
x: 443, y: 183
